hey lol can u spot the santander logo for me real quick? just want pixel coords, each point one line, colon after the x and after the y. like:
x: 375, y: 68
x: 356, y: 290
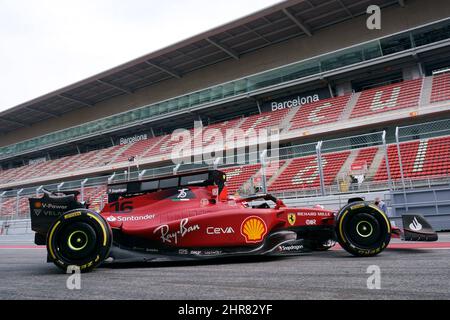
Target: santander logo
x: 130, y: 218
x: 111, y: 219
x: 415, y: 225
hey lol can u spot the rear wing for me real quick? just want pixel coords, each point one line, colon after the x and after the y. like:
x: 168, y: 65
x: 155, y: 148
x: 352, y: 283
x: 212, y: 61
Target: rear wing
x: 46, y: 209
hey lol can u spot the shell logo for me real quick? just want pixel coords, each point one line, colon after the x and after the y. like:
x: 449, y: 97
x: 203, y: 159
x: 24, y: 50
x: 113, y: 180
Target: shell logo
x: 253, y: 229
x: 38, y: 205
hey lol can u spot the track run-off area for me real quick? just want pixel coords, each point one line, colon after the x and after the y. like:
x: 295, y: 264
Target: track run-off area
x: 408, y: 270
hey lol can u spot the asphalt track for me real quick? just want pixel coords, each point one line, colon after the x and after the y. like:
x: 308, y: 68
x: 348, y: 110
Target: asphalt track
x: 408, y: 271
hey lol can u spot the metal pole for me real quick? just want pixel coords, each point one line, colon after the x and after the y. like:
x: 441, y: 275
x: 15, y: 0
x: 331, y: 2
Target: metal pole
x: 177, y: 167
x: 111, y: 178
x: 263, y: 160
x: 137, y: 163
x: 320, y: 167
x: 59, y: 187
x: 386, y: 157
x: 400, y: 162
x: 38, y: 190
x: 17, y: 201
x: 83, y: 183
x: 217, y: 162
x: 397, y: 139
x: 1, y: 201
x: 141, y: 175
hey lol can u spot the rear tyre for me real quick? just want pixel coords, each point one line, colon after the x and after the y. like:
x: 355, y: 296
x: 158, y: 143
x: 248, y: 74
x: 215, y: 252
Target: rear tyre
x: 362, y: 229
x: 80, y: 238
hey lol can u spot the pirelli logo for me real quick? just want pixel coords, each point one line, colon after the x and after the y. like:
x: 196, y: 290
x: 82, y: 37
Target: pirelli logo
x: 358, y: 206
x: 72, y: 215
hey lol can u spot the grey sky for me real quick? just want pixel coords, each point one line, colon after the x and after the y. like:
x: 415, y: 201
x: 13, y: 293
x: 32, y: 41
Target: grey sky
x: 48, y: 44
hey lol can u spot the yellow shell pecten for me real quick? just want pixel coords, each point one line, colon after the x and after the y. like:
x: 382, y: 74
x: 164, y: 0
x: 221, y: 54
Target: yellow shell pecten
x: 254, y: 229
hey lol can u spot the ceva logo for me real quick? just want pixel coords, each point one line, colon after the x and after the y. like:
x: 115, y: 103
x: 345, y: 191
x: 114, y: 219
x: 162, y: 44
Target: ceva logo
x: 213, y: 230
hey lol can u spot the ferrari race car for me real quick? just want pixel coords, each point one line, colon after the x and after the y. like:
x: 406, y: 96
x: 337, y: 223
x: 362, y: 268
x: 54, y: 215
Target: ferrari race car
x: 191, y: 217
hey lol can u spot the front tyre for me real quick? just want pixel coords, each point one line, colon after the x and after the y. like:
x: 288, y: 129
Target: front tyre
x: 79, y: 238
x: 362, y: 229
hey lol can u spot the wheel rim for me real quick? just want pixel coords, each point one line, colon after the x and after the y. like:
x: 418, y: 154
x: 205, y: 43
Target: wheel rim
x: 78, y: 240
x: 364, y: 229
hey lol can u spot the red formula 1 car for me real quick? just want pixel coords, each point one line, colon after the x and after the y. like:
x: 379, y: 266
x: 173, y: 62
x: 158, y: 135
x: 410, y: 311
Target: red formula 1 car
x: 191, y: 217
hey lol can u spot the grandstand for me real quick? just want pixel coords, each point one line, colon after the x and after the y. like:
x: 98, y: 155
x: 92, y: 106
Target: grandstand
x: 230, y: 78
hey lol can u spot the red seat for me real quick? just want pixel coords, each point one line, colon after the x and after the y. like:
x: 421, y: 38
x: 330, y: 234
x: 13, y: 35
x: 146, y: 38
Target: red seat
x: 387, y: 98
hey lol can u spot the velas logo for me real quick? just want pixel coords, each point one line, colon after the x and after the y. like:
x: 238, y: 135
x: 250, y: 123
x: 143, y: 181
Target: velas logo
x: 253, y: 229
x: 292, y: 218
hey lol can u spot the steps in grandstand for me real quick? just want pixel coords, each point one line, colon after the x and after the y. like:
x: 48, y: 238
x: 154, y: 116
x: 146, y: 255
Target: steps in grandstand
x: 251, y: 183
x: 286, y: 123
x: 278, y: 172
x: 345, y: 115
x: 273, y: 169
x: 425, y: 96
x: 240, y: 122
x: 122, y: 151
x: 343, y: 172
x: 376, y: 162
x: 153, y: 148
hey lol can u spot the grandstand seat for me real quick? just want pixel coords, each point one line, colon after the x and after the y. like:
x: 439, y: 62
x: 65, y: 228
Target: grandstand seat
x: 96, y: 197
x: 366, y: 156
x: 8, y: 207
x: 267, y: 120
x: 321, y: 112
x: 142, y: 148
x: 387, y: 98
x: 91, y: 159
x: 237, y: 176
x: 302, y: 173
x: 441, y: 88
x: 209, y: 134
x: 421, y: 158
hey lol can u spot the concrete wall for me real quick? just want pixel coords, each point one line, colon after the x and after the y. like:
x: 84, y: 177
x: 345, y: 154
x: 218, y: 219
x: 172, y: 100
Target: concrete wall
x: 352, y: 32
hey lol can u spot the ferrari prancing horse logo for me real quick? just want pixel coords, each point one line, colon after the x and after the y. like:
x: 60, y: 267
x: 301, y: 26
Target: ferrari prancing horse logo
x: 292, y: 218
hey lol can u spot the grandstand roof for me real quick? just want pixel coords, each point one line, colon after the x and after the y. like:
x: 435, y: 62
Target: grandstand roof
x: 283, y: 21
